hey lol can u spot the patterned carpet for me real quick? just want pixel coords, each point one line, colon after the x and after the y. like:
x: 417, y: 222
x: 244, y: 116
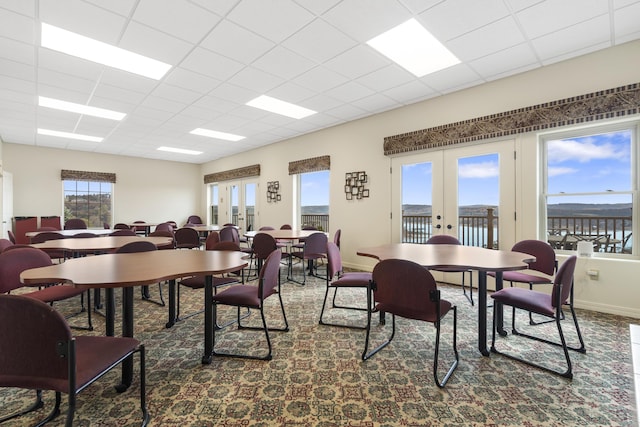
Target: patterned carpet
x: 316, y: 377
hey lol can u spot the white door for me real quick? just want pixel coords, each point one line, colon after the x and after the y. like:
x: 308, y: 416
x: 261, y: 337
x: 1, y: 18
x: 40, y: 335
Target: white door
x: 453, y: 192
x: 241, y: 204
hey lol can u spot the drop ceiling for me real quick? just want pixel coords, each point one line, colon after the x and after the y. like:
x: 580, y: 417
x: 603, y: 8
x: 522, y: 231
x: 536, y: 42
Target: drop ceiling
x: 312, y: 53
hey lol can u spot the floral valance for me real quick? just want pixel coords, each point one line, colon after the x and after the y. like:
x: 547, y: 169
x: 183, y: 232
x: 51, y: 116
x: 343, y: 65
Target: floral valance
x: 66, y: 174
x: 314, y: 164
x: 239, y: 173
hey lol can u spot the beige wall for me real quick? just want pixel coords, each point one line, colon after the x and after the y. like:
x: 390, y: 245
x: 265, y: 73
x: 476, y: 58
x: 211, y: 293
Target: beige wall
x: 158, y: 191
x: 358, y: 146
x: 150, y: 190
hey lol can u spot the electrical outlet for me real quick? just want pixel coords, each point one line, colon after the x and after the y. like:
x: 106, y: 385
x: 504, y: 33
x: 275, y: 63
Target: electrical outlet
x: 593, y: 274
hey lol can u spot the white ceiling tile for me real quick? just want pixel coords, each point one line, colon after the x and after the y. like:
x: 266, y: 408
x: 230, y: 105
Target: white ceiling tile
x: 176, y: 17
x: 154, y: 44
x: 590, y: 33
x: 321, y: 102
x: 110, y: 92
x: 17, y: 27
x: 452, y: 78
x: 17, y: 51
x: 291, y: 92
x: 273, y: 19
x: 410, y: 92
x: 175, y: 93
x: 121, y: 7
x: 505, y: 61
x: 69, y: 65
x: 191, y: 80
x: 53, y: 78
x: 22, y: 7
x: 365, y: 19
x: 233, y: 41
x: 80, y: 17
x: 211, y: 64
x: 320, y: 79
x: 357, y: 61
x: 486, y: 40
x: 375, y: 103
x: 256, y: 80
x: 283, y: 63
x: 385, y: 78
x: 419, y: 6
x: 234, y: 94
x: 317, y: 7
x: 626, y: 21
x: 349, y: 92
x: 554, y: 15
x: 18, y: 85
x: 319, y: 41
x: 17, y: 70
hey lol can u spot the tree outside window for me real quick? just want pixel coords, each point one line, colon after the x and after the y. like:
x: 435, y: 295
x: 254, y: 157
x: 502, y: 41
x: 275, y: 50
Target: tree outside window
x: 88, y: 200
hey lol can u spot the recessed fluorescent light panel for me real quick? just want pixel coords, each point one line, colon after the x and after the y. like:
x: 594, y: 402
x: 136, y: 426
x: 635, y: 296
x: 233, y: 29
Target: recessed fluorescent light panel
x: 79, y: 108
x: 216, y: 134
x: 277, y: 106
x: 179, y: 150
x: 83, y: 47
x: 69, y: 135
x: 412, y: 47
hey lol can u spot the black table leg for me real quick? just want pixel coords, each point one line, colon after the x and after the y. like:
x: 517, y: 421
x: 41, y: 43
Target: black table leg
x: 498, y: 307
x: 127, y: 331
x: 172, y: 303
x: 482, y: 313
x: 208, y: 320
x: 110, y: 312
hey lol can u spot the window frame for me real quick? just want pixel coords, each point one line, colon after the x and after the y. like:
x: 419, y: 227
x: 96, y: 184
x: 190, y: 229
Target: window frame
x: 632, y: 125
x: 89, y: 182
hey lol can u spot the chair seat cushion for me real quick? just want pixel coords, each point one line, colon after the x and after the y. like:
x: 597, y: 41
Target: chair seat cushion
x: 240, y: 295
x: 425, y: 315
x: 526, y: 299
x: 95, y: 354
x: 520, y: 277
x: 355, y: 278
x: 55, y: 293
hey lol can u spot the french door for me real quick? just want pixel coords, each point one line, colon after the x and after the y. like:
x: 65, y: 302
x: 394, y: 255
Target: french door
x: 241, y: 204
x: 466, y: 192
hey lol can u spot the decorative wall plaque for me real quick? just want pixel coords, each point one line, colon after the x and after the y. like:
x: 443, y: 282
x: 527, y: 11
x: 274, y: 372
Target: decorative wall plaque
x: 354, y: 185
x: 273, y: 191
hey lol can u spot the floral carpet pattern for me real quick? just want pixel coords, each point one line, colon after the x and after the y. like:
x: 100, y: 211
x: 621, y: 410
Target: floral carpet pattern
x: 317, y: 379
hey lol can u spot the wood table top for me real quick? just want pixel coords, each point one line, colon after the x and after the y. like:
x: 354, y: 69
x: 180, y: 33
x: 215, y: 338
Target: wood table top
x: 71, y: 233
x: 439, y: 256
x: 132, y: 269
x: 105, y: 243
x: 284, y: 234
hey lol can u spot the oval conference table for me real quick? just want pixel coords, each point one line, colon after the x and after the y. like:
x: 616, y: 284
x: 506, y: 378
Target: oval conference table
x: 467, y: 257
x: 144, y: 268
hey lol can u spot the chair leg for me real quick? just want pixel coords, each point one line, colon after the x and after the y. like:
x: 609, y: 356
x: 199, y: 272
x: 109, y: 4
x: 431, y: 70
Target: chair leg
x: 89, y: 326
x: 54, y: 412
x: 324, y: 303
x: 144, y: 290
x: 365, y: 355
x: 143, y: 386
x: 35, y: 406
x: 454, y: 365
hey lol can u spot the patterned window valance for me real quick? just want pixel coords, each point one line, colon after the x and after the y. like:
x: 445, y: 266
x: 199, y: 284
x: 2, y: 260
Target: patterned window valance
x: 245, y: 172
x: 88, y: 176
x: 617, y: 102
x: 314, y: 164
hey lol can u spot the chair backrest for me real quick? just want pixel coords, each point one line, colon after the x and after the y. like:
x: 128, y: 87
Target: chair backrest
x: 230, y: 234
x: 46, y: 235
x: 336, y: 237
x: 443, y: 239
x: 269, y: 276
x: 212, y: 239
x: 165, y: 226
x: 164, y: 233
x: 334, y: 261
x: 266, y: 228
x: 309, y: 227
x: 226, y: 246
x: 15, y: 261
x: 75, y: 224
x: 263, y: 244
x: 31, y: 333
x: 12, y: 237
x: 285, y: 227
x: 315, y: 244
x: 123, y: 232
x: 545, y: 255
x: 106, y: 225
x: 405, y: 288
x: 121, y: 226
x: 140, y: 246
x: 187, y: 237
x: 194, y: 219
x: 563, y: 282
x: 85, y: 235
x: 5, y: 243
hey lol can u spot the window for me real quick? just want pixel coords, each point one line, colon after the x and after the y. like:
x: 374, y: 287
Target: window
x: 214, y: 203
x: 591, y: 189
x: 88, y: 200
x: 314, y: 199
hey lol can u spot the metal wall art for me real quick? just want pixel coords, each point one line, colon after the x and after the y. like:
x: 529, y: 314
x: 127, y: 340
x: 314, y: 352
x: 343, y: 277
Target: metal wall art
x: 354, y: 185
x: 273, y: 191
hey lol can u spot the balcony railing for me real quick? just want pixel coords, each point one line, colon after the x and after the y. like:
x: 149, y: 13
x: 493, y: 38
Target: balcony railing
x: 608, y: 234
x: 321, y: 222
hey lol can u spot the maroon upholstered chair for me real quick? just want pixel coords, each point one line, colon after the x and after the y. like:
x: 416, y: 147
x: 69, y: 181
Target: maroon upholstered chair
x: 407, y: 289
x: 75, y: 224
x: 338, y: 279
x: 145, y: 246
x: 123, y: 232
x: 545, y: 263
x: 39, y: 352
x: 445, y: 239
x: 544, y: 304
x: 315, y: 248
x: 194, y: 219
x: 12, y: 237
x: 18, y: 259
x: 5, y: 243
x: 165, y: 226
x: 121, y: 226
x: 263, y: 244
x: 197, y: 282
x: 59, y: 255
x: 336, y: 237
x: 187, y: 238
x: 253, y: 297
